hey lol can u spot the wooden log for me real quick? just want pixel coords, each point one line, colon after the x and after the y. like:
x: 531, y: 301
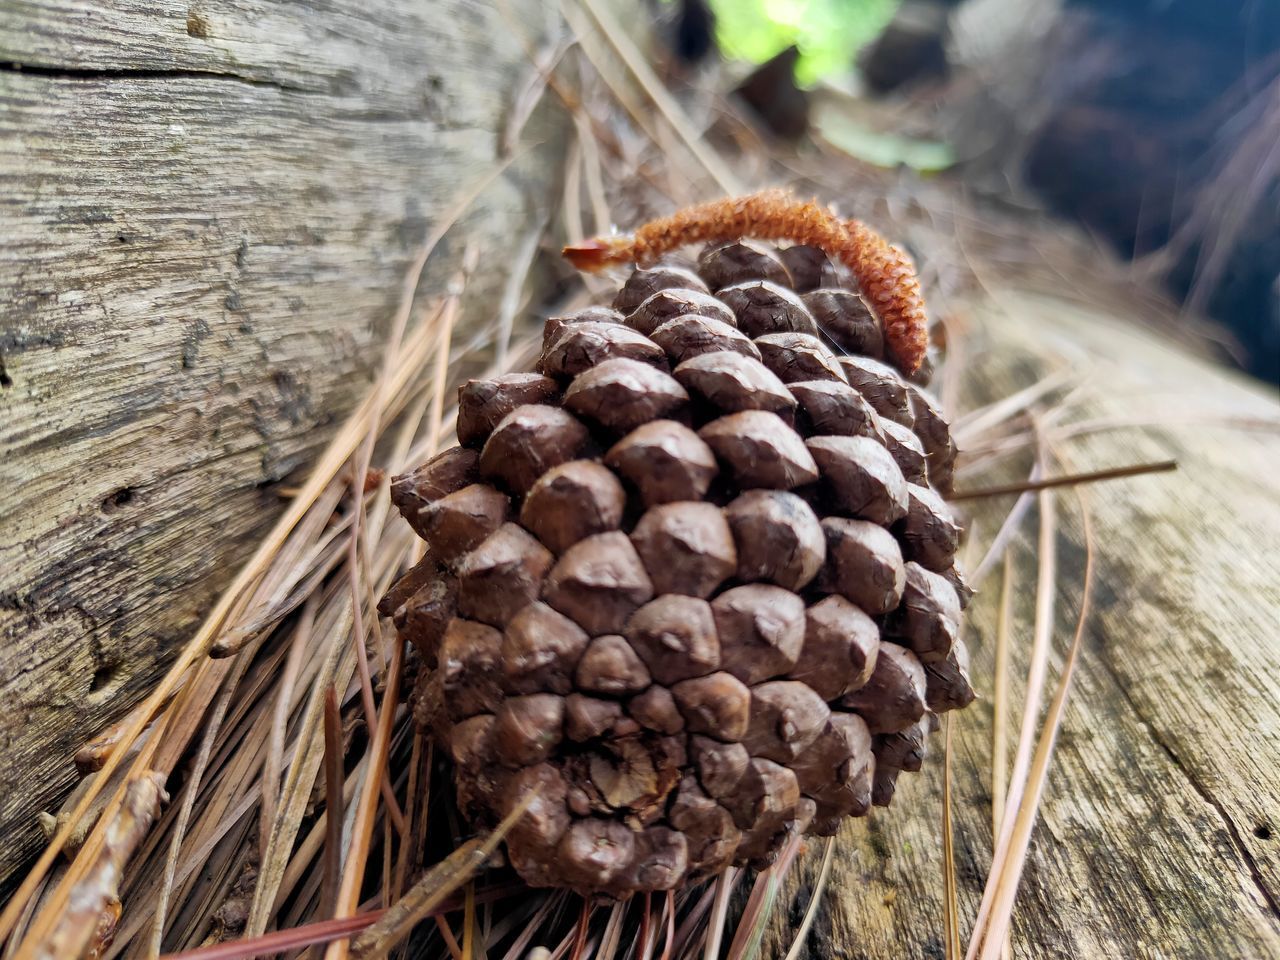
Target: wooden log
x: 1158, y: 830
x: 207, y: 213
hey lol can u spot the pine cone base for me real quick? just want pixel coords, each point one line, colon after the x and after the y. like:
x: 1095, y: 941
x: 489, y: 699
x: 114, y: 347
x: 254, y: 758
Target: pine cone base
x: 691, y: 584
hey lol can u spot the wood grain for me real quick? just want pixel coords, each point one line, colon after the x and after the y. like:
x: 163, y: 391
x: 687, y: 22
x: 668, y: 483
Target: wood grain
x: 1158, y: 835
x: 206, y: 212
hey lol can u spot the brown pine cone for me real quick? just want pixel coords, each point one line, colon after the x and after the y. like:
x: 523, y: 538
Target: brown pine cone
x: 692, y: 584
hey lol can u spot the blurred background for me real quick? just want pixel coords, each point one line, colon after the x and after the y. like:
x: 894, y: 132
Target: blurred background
x: 1153, y: 125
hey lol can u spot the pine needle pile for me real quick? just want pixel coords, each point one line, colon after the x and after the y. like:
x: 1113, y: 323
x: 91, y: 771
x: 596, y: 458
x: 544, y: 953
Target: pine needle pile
x: 275, y: 792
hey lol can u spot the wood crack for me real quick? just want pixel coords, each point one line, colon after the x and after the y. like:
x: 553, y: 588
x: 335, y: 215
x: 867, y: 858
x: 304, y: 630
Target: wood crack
x: 1237, y: 839
x: 363, y: 114
x: 124, y: 73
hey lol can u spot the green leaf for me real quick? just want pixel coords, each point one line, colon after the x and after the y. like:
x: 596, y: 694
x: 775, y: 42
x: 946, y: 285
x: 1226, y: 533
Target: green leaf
x: 828, y: 33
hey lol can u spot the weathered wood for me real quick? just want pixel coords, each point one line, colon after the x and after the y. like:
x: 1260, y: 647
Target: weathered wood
x: 1158, y: 833
x: 206, y: 212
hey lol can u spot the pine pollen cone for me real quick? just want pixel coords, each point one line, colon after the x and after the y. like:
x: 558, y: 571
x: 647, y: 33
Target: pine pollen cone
x: 884, y: 272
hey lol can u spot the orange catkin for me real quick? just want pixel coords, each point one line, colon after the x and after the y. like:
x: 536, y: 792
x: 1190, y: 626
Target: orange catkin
x: 884, y: 272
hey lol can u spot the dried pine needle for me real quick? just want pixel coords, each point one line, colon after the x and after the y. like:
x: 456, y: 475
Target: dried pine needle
x: 1007, y: 872
x: 980, y: 422
x: 1000, y: 701
x: 612, y: 932
x: 438, y: 882
x: 445, y: 929
x: 691, y: 138
x: 280, y: 941
x: 720, y: 912
x: 764, y: 894
x: 231, y: 603
x: 951, y: 909
x: 1046, y: 596
x: 273, y: 762
x: 815, y: 900
x: 188, y: 804
x: 469, y: 932
x: 333, y: 806
x: 1069, y: 480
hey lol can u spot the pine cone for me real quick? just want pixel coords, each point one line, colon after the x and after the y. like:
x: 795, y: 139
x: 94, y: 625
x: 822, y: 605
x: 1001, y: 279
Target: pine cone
x: 692, y: 582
